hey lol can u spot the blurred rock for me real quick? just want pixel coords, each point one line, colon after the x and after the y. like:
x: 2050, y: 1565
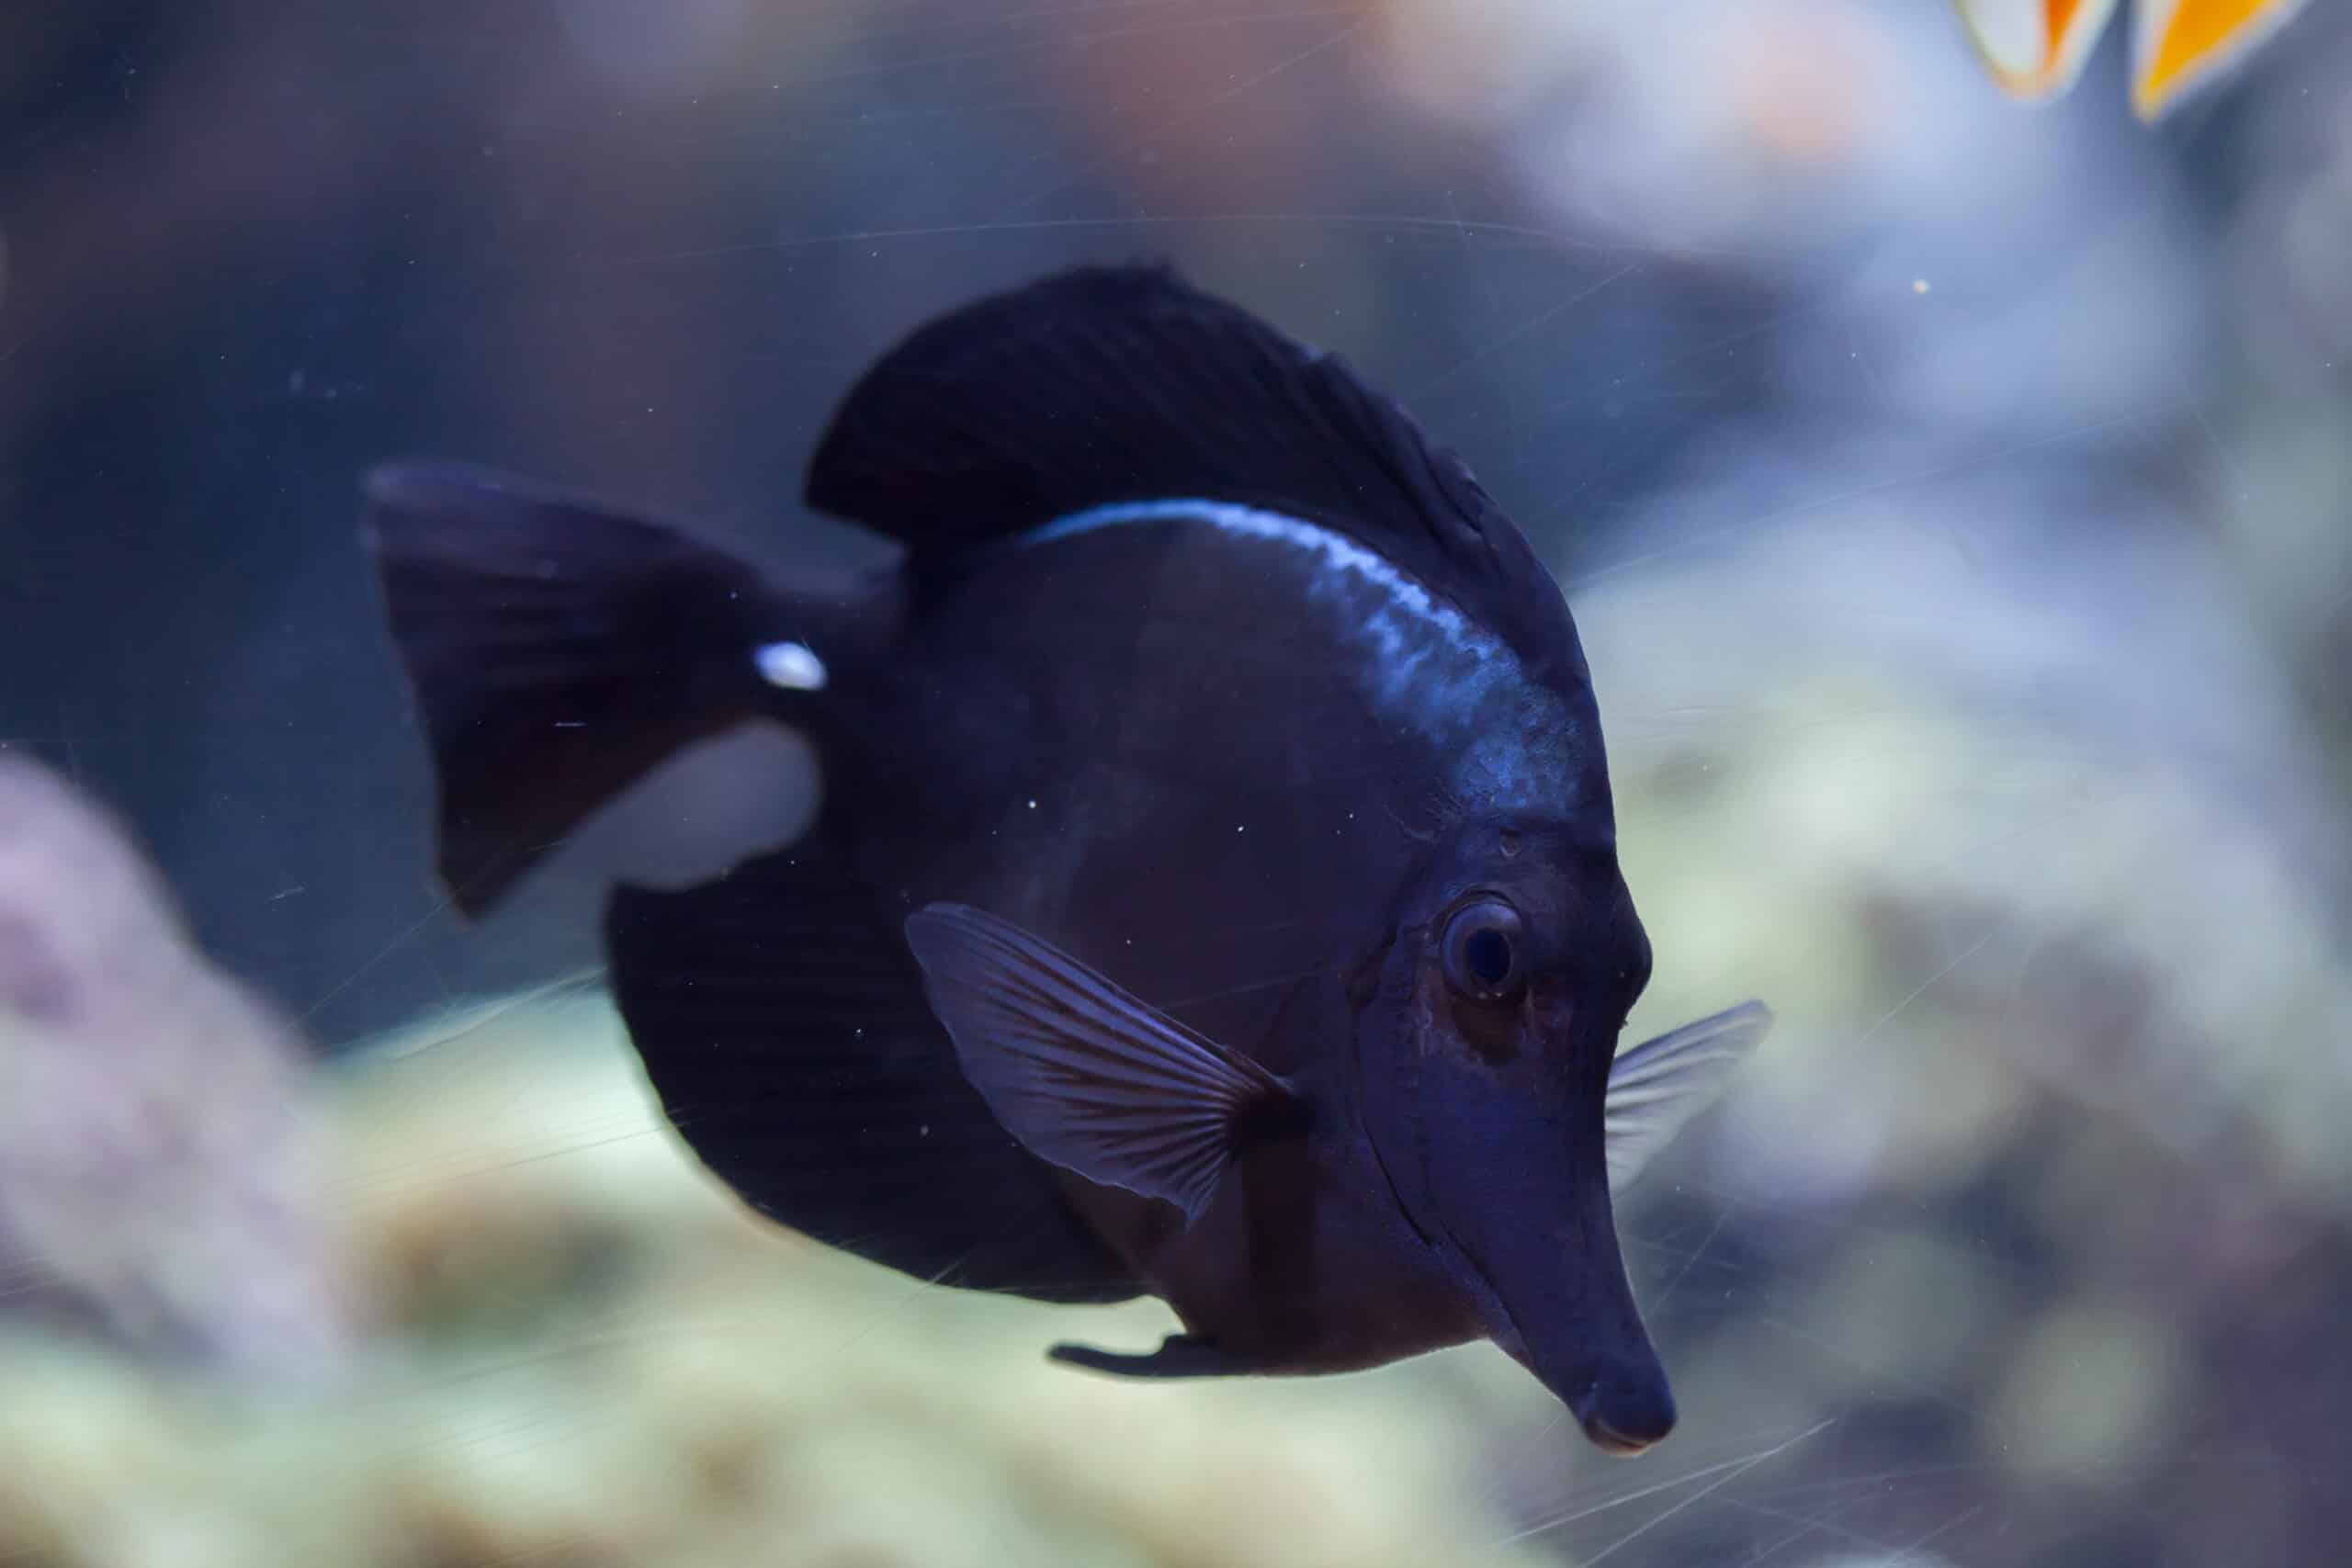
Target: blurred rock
x: 159, y: 1174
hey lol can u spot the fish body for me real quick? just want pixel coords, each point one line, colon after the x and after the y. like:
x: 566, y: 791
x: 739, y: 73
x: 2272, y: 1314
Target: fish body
x: 2035, y: 48
x: 1214, y: 892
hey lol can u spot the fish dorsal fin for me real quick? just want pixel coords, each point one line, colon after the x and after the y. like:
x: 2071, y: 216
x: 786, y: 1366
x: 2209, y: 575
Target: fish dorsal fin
x: 1105, y: 385
x: 1087, y: 1077
x: 1660, y: 1084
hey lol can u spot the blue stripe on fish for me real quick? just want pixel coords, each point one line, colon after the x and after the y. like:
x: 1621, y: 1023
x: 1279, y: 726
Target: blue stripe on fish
x: 1477, y: 691
x: 1339, y: 552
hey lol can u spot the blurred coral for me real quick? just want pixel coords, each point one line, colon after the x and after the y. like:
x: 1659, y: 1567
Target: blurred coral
x: 593, y: 1355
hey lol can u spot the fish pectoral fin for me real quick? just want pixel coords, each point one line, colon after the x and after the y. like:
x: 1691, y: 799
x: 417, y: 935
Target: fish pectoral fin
x: 1660, y: 1084
x: 1084, y: 1075
x: 1179, y: 1356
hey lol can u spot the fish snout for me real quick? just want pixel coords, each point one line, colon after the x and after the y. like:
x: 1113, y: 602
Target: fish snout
x: 1627, y: 1409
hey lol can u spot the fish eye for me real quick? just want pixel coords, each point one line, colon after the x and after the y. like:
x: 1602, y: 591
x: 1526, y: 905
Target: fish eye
x: 1483, y: 951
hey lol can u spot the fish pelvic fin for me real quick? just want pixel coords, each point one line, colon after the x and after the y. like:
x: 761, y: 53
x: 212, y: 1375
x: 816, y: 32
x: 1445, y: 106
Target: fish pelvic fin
x: 557, y: 650
x: 1084, y: 1075
x: 1179, y: 1356
x: 1660, y: 1084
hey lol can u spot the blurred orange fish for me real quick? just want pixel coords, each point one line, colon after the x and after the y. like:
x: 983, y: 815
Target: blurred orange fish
x: 2035, y: 48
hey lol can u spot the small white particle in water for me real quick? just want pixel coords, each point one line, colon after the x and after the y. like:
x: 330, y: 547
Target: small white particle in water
x: 1919, y: 286
x: 857, y: 1034
x: 923, y: 1131
x: 1032, y: 806
x: 792, y: 665
x: 1239, y: 828
x: 570, y: 723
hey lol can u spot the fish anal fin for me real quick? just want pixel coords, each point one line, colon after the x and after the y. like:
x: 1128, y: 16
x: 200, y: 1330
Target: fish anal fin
x: 1086, y: 1076
x: 782, y: 1024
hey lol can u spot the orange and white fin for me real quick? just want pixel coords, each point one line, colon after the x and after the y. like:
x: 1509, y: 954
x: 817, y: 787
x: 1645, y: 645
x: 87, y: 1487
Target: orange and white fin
x: 2178, y: 46
x: 2035, y: 48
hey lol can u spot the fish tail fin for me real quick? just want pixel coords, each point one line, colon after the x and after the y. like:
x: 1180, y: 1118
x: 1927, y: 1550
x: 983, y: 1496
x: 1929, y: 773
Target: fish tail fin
x: 558, y: 650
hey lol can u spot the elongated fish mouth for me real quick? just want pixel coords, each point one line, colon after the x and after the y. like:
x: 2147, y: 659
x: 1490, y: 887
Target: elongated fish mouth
x: 1610, y: 1443
x: 1622, y: 1444
x: 1625, y: 1407
x: 1620, y: 1433
x: 1623, y: 1402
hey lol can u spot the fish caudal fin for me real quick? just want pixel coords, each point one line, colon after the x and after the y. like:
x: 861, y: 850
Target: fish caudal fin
x: 558, y: 650
x: 1087, y: 1077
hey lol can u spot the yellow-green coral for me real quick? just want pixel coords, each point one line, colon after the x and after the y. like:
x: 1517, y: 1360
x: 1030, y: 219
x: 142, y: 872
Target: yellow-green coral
x: 588, y: 1353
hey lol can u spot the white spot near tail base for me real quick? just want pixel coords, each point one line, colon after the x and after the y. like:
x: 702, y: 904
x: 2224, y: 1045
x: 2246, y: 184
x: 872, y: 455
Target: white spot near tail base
x: 791, y: 665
